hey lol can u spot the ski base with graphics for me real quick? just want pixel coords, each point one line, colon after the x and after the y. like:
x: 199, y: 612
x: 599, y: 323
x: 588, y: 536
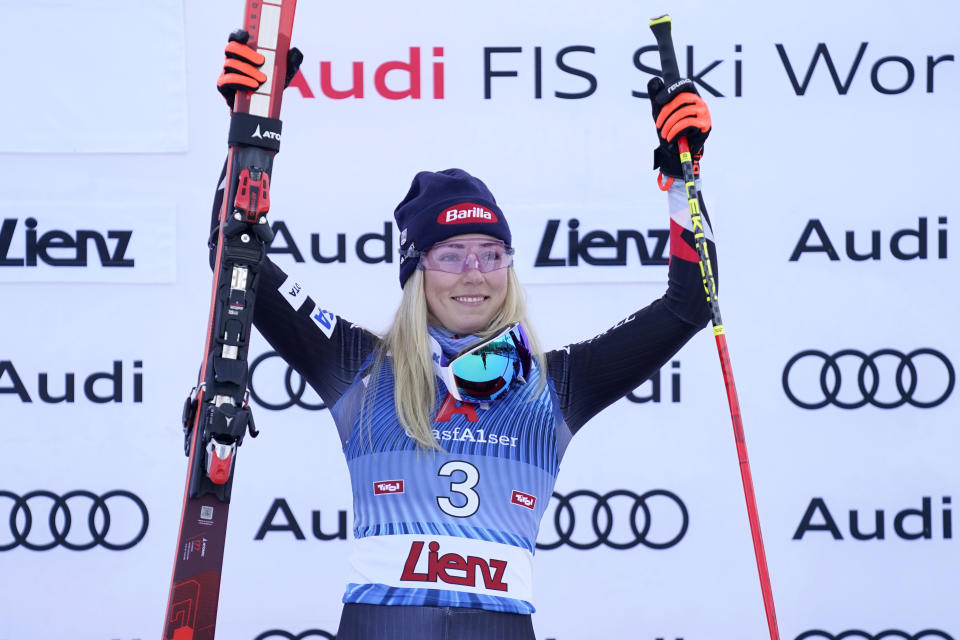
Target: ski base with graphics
x: 215, y: 415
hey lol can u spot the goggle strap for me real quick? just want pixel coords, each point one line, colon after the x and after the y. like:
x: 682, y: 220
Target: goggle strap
x: 445, y: 373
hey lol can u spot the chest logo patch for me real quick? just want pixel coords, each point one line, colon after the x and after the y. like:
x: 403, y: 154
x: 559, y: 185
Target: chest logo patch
x: 523, y: 499
x: 451, y: 406
x: 386, y: 487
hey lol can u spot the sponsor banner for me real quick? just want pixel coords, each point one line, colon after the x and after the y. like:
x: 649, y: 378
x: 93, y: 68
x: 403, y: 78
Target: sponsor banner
x: 78, y: 520
x: 884, y: 378
x: 48, y: 111
x: 443, y: 562
x: 656, y: 519
x: 281, y: 634
x: 84, y: 241
x: 825, y: 243
x: 275, y: 385
x: 281, y: 522
x: 565, y: 245
x: 926, y: 633
x: 835, y: 281
x: 554, y: 245
x: 48, y: 387
x: 586, y: 62
x: 658, y: 387
x: 931, y: 518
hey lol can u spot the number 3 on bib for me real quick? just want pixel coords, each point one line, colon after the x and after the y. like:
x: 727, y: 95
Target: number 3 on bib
x: 464, y: 488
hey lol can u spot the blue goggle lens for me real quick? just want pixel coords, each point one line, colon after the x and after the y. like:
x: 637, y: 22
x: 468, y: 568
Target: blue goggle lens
x: 484, y: 371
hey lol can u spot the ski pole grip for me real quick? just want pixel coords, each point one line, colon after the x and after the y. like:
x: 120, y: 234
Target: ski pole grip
x: 661, y: 28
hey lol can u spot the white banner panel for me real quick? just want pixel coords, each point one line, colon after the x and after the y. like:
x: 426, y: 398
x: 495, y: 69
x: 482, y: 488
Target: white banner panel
x: 94, y: 77
x: 837, y: 245
x: 88, y: 242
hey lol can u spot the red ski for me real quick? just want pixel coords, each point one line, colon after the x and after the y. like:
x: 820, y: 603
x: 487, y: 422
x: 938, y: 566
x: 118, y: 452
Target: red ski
x: 216, y: 416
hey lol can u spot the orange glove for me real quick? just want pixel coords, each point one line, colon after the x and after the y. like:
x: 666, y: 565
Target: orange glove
x: 241, y: 69
x: 678, y: 110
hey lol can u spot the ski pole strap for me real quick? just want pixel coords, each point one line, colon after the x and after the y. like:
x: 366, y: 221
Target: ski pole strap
x: 255, y: 131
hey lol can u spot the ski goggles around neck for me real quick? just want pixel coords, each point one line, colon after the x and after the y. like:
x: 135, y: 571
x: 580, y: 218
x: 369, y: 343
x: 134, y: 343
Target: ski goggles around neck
x: 486, y: 369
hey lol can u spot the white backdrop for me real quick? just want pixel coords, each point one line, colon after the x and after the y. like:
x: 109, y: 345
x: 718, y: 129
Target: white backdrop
x: 114, y: 138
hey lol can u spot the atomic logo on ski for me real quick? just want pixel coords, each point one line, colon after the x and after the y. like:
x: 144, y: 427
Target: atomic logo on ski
x: 195, y: 546
x: 269, y: 135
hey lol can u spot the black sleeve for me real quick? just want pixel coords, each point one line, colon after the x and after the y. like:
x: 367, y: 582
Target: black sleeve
x: 591, y: 375
x: 325, y: 349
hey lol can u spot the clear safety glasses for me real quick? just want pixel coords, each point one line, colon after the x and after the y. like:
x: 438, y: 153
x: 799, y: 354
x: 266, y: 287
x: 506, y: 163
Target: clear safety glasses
x: 456, y: 256
x: 483, y: 371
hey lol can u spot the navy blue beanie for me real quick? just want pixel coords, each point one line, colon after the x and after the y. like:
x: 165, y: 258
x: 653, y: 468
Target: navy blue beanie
x: 441, y: 205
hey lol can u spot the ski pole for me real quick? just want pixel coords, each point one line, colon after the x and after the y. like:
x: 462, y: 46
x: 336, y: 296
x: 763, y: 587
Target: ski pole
x: 661, y: 28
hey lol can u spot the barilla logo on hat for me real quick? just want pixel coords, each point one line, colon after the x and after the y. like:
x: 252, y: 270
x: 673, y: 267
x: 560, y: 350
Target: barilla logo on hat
x: 466, y: 212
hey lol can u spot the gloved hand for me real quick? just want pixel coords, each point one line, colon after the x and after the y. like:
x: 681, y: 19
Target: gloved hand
x: 241, y: 69
x: 677, y: 110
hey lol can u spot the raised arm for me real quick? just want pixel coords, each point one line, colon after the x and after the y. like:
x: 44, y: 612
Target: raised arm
x: 590, y: 375
x: 325, y: 349
x: 593, y: 374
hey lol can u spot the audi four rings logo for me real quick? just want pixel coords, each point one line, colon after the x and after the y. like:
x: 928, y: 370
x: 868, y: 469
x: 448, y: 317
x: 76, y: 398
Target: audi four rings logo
x: 279, y: 634
x: 889, y: 634
x: 886, y: 378
x: 67, y: 514
x: 294, y: 386
x: 623, y: 506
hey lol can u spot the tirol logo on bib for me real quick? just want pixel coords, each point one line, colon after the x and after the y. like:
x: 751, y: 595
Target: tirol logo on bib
x: 387, y: 487
x: 465, y: 213
x: 523, y: 499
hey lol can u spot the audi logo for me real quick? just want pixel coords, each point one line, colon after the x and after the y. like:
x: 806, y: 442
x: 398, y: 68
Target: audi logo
x: 286, y: 635
x: 65, y: 512
x: 294, y: 385
x: 889, y: 634
x: 598, y: 512
x: 901, y: 385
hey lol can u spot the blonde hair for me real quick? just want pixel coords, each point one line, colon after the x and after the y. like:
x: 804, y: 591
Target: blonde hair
x: 407, y: 343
